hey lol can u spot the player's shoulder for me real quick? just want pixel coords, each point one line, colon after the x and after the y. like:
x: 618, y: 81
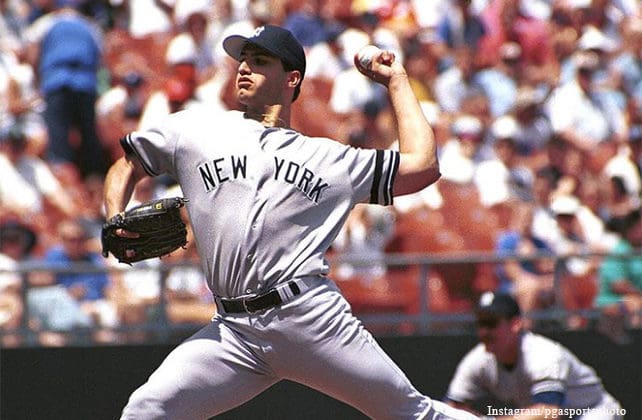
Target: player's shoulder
x: 538, y: 349
x: 536, y: 341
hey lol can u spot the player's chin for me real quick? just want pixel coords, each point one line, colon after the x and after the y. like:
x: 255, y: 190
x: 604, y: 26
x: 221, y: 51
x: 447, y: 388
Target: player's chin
x: 243, y: 96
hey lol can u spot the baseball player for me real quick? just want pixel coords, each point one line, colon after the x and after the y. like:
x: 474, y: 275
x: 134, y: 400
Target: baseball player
x: 533, y: 376
x: 265, y: 203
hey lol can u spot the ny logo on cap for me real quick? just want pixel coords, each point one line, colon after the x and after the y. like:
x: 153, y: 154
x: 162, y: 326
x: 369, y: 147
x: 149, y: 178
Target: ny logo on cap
x: 258, y: 31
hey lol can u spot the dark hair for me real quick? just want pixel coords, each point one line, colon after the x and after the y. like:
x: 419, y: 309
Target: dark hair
x: 618, y: 183
x: 621, y: 224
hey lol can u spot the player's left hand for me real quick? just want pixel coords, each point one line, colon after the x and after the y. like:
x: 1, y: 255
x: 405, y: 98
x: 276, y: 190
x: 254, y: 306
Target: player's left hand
x: 380, y: 66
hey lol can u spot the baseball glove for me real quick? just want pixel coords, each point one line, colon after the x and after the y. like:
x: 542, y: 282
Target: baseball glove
x: 159, y: 227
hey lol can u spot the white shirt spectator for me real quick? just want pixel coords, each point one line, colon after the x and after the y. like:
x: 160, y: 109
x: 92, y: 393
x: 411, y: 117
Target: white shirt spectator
x: 323, y: 63
x: 622, y: 165
x: 23, y: 185
x: 352, y: 90
x: 7, y: 278
x: 570, y: 108
x: 146, y: 17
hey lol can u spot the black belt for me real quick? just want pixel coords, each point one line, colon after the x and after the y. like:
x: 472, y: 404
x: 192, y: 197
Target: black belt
x: 258, y: 303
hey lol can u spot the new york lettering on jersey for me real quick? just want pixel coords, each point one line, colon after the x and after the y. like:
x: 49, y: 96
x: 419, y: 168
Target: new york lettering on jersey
x: 301, y: 177
x: 217, y: 171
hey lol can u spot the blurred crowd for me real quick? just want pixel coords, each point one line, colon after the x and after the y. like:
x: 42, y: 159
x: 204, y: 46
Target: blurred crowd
x: 536, y: 107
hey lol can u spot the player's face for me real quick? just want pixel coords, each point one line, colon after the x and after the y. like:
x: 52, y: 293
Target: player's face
x: 260, y: 79
x: 496, y: 333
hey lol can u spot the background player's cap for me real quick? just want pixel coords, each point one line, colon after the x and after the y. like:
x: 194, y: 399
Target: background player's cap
x: 274, y: 39
x: 497, y: 305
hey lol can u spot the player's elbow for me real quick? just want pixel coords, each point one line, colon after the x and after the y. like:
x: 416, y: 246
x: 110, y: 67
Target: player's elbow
x: 414, y: 182
x: 427, y: 172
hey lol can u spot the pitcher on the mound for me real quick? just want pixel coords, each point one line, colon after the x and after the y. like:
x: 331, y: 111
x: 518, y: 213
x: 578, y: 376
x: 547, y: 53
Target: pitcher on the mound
x: 265, y: 203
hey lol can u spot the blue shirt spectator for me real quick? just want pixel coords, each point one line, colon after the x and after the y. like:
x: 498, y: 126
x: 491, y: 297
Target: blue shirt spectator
x: 84, y: 286
x: 66, y: 48
x: 70, y: 56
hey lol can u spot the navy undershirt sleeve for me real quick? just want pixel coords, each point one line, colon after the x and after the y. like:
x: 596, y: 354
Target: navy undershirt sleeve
x: 550, y: 397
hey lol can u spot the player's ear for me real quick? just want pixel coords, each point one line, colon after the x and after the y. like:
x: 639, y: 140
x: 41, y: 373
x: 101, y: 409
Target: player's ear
x: 516, y: 324
x: 294, y: 78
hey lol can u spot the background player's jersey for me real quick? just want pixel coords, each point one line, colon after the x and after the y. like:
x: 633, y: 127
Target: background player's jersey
x: 544, y: 365
x: 265, y: 203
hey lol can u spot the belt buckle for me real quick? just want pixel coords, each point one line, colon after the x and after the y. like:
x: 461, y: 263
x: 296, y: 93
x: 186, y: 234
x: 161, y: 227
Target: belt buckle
x: 247, y: 310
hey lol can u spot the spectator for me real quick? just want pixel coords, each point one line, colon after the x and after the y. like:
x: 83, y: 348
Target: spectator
x: 618, y: 203
x: 571, y: 239
x: 422, y: 61
x: 179, y: 88
x: 12, y: 24
x: 576, y: 112
x: 120, y: 108
x: 620, y: 276
x: 594, y: 41
x: 16, y: 242
x: 454, y: 84
x: 65, y: 47
x: 351, y: 90
x: 306, y: 22
x: 364, y: 236
x: 518, y: 21
x: 461, y: 26
x: 460, y: 155
x: 144, y: 18
x: 499, y: 82
x: 635, y: 146
x: 620, y: 163
x: 326, y: 59
x: 544, y: 185
x: 93, y: 290
x: 626, y: 66
x: 530, y: 281
x: 22, y: 104
x: 192, y: 18
x: 502, y: 178
x: 28, y: 187
x: 256, y: 13
x: 512, y: 365
x: 532, y: 128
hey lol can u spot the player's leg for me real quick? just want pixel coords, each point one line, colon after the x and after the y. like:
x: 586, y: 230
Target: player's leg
x: 328, y: 349
x: 211, y: 372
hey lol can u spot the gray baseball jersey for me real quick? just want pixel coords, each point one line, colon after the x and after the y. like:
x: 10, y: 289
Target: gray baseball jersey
x: 265, y: 204
x: 543, y: 366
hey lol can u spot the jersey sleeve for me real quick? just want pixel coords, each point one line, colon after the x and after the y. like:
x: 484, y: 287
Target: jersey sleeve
x: 467, y: 385
x: 550, y: 373
x: 154, y: 148
x: 373, y: 173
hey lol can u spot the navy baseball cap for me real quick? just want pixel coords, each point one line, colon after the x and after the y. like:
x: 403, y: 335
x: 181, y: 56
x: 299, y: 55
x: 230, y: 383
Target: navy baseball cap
x: 497, y: 305
x: 276, y: 40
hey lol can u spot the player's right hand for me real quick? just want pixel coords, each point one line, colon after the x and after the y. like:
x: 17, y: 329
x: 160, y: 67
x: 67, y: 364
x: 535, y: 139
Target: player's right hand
x: 382, y: 67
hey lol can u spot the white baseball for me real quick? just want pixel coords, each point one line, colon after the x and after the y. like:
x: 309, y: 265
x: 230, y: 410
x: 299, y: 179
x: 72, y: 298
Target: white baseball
x: 366, y: 54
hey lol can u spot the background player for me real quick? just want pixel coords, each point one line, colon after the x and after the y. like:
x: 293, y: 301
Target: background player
x: 265, y: 203
x: 524, y: 370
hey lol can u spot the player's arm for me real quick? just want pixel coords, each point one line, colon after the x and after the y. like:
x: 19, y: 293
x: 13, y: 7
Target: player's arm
x: 120, y: 181
x: 418, y: 164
